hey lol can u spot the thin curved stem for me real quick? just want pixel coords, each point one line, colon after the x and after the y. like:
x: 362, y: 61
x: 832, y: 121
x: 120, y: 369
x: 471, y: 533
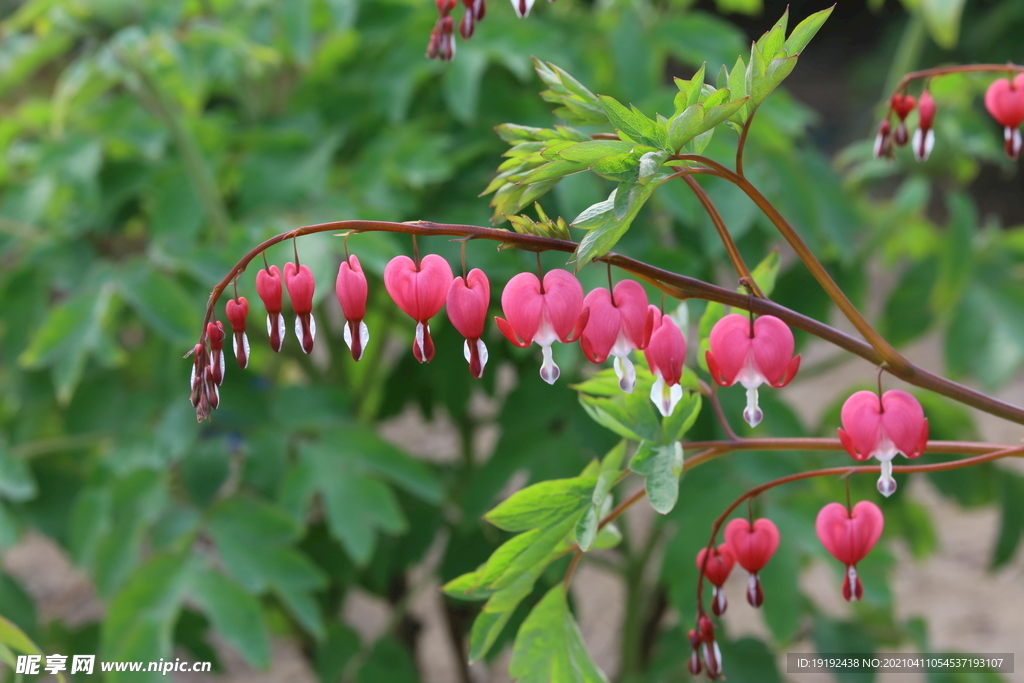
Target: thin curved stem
x: 959, y: 69
x: 723, y: 233
x: 673, y: 284
x: 825, y: 444
x: 711, y: 391
x: 743, y: 142
x: 844, y: 471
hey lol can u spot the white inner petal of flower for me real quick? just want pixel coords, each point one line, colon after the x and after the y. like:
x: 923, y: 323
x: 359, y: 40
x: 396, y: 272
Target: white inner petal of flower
x: 281, y: 331
x: 625, y: 371
x: 545, y: 335
x: 548, y: 370
x: 312, y: 326
x: 749, y: 376
x: 665, y: 397
x: 886, y: 484
x: 419, y: 339
x: 752, y: 413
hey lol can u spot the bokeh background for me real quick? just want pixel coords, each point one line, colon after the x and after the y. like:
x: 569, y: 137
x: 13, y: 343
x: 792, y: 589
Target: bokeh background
x: 302, y: 534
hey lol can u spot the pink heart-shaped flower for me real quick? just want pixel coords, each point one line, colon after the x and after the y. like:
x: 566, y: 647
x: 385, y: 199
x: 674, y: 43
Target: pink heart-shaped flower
x: 849, y: 537
x: 752, y: 546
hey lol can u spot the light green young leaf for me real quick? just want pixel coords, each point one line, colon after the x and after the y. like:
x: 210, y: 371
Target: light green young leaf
x: 607, y: 226
x: 804, y: 32
x: 579, y: 106
x: 771, y: 42
x: 14, y: 638
x: 549, y: 647
x: 942, y: 17
x: 542, y: 504
x: 634, y: 124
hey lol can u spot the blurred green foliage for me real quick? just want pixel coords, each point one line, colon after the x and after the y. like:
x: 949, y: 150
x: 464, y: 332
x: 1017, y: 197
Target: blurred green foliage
x: 147, y: 145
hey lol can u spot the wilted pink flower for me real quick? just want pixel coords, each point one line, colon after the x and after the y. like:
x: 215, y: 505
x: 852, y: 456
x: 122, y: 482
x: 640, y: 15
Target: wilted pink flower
x: 351, y: 290
x: 617, y: 326
x: 237, y: 310
x: 420, y: 291
x: 850, y: 537
x: 752, y: 353
x: 215, y: 334
x: 752, y: 546
x: 268, y: 286
x: 665, y: 354
x: 468, y: 300
x: 1004, y: 100
x: 299, y: 281
x: 543, y: 313
x: 880, y: 428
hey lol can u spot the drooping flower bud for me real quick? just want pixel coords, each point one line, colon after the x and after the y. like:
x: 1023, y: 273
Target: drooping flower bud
x: 880, y: 428
x: 850, y: 537
x: 924, y: 136
x: 351, y: 290
x: 752, y: 354
x: 215, y: 334
x: 693, y: 664
x: 710, y: 652
x: 268, y: 286
x: 299, y: 281
x: 665, y: 354
x: 752, y: 546
x: 1004, y: 100
x: 618, y: 325
x: 420, y: 292
x: 719, y: 566
x: 883, y: 139
x: 468, y: 300
x: 237, y: 310
x: 543, y: 313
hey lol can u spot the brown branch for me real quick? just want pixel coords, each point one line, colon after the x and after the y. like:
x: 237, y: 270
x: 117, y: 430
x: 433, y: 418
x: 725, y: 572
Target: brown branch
x: 959, y: 69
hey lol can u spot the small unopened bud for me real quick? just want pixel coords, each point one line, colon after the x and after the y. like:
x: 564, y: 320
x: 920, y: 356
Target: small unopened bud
x: 883, y: 139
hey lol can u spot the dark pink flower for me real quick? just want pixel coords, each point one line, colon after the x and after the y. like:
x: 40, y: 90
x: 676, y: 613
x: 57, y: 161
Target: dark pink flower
x: 268, y: 286
x: 719, y: 566
x: 300, y: 285
x: 617, y: 326
x: 237, y: 310
x: 665, y: 354
x: 924, y: 136
x: 751, y: 354
x: 850, y: 537
x: 351, y: 290
x: 752, y: 546
x: 468, y: 300
x: 1004, y: 100
x: 543, y: 314
x: 880, y: 428
x: 420, y: 292
x: 902, y: 105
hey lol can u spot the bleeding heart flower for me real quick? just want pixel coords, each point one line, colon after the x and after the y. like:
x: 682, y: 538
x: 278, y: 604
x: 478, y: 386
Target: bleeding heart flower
x: 237, y: 310
x: 268, y: 286
x: 924, y: 136
x: 543, y: 313
x: 468, y: 300
x: 618, y: 325
x: 752, y: 354
x: 522, y: 7
x: 215, y: 333
x: 880, y: 428
x: 351, y: 290
x: 204, y: 394
x: 1004, y: 100
x: 693, y: 664
x: 710, y: 652
x: 902, y: 105
x: 850, y: 537
x: 752, y: 547
x: 665, y: 354
x: 719, y: 566
x: 299, y: 281
x: 420, y: 291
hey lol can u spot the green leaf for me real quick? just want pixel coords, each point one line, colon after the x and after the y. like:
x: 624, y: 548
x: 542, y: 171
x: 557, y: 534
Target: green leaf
x: 162, y: 303
x: 593, y: 150
x: 805, y: 31
x: 771, y: 42
x: 234, y: 612
x: 549, y: 647
x: 16, y: 481
x: 634, y: 124
x: 579, y: 106
x: 1011, y: 526
x: 663, y: 466
x: 553, y: 170
x: 606, y: 224
x: 630, y: 416
x: 542, y: 504
x: 140, y: 620
x: 942, y: 17
x: 767, y: 272
x: 682, y: 418
x: 14, y: 638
